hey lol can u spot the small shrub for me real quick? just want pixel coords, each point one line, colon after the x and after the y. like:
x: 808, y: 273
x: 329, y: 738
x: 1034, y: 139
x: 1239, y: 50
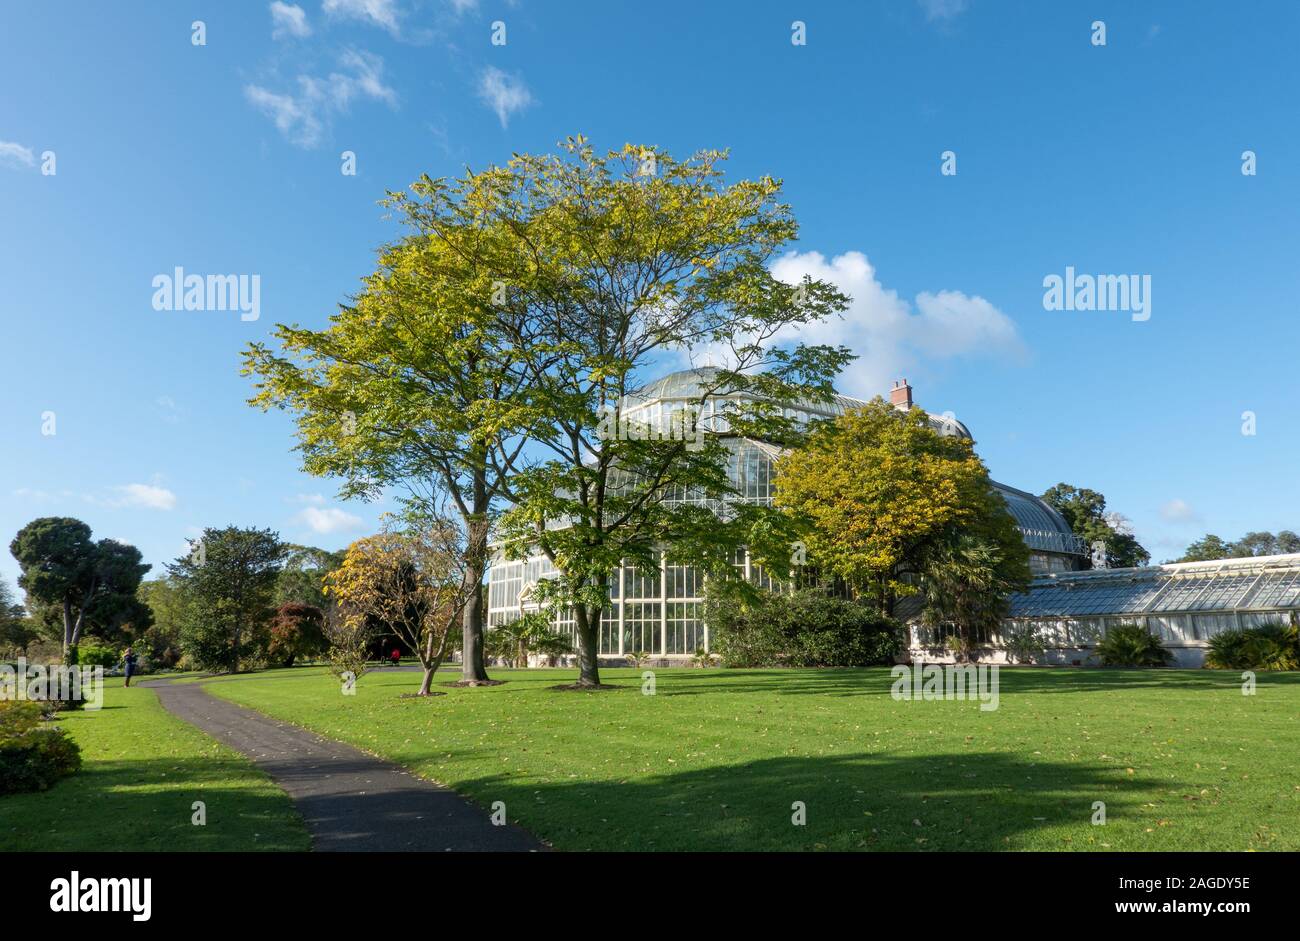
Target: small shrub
x: 805, y: 629
x: 702, y: 659
x: 349, y: 634
x: 957, y: 645
x: 1024, y: 642
x: 512, y: 643
x: 637, y: 658
x: 1132, y: 645
x: 1266, y: 647
x: 32, y: 756
x: 97, y: 655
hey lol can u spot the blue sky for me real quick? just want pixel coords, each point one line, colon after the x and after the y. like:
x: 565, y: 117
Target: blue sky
x: 225, y: 158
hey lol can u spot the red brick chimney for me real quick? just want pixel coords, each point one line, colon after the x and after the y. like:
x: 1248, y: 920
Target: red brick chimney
x: 900, y: 396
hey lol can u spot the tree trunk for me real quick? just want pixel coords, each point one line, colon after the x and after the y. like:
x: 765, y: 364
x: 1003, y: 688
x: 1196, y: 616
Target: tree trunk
x: 67, y: 630
x: 588, y: 645
x: 431, y: 661
x: 472, y: 667
x: 76, y: 626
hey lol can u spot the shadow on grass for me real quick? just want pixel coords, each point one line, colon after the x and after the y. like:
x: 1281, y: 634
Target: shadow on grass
x: 147, y: 804
x: 876, y: 680
x: 971, y: 802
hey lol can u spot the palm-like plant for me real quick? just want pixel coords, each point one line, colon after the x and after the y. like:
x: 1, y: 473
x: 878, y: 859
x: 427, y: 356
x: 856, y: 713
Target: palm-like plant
x: 512, y: 642
x: 1265, y: 647
x: 963, y: 586
x: 1132, y: 645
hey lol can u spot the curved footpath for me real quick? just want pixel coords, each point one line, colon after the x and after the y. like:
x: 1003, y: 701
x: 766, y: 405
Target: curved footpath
x: 350, y: 801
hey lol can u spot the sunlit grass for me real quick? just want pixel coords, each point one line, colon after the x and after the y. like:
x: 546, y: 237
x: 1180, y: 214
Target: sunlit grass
x: 142, y: 771
x: 716, y: 759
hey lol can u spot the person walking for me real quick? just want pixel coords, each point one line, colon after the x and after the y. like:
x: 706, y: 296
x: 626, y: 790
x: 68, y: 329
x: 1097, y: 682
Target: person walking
x: 128, y: 665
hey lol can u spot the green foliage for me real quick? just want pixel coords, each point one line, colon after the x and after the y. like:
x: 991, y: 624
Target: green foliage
x: 17, y: 630
x: 1023, y: 642
x: 161, y: 643
x: 1265, y: 647
x: 1132, y: 645
x: 1207, y: 550
x: 1211, y: 547
x: 91, y: 584
x: 1085, y: 511
x: 804, y: 629
x: 97, y: 655
x: 302, y: 580
x: 967, y: 582
x: 32, y: 756
x: 605, y: 267
x: 532, y: 633
x: 227, y: 583
x: 880, y: 495
x: 703, y: 659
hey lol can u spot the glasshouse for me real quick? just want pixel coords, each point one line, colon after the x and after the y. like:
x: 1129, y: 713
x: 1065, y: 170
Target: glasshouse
x: 1185, y: 603
x: 658, y: 612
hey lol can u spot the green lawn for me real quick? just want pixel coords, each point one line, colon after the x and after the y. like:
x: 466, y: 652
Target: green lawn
x: 715, y: 760
x: 142, y: 771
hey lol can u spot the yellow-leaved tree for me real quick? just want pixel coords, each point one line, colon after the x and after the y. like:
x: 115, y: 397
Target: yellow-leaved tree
x: 409, y: 579
x: 881, y: 496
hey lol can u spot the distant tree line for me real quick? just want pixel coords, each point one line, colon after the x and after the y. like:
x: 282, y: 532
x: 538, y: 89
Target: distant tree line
x: 1211, y: 547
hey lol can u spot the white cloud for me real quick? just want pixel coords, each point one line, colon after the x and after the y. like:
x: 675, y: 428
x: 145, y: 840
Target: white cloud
x: 314, y: 499
x: 377, y: 12
x: 288, y: 19
x: 504, y: 94
x: 889, y: 334
x: 37, y: 496
x: 304, y: 117
x: 296, y: 121
x: 1178, y: 511
x: 143, y: 496
x: 168, y: 410
x: 16, y: 154
x: 327, y: 520
x: 463, y: 6
x: 942, y: 9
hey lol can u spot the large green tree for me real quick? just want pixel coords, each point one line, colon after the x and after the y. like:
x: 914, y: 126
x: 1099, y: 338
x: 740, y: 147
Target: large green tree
x: 1207, y: 549
x: 881, y: 496
x: 607, y: 264
x: 1085, y: 510
x: 301, y: 581
x: 87, y: 581
x: 413, y: 385
x: 167, y: 606
x: 227, y: 581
